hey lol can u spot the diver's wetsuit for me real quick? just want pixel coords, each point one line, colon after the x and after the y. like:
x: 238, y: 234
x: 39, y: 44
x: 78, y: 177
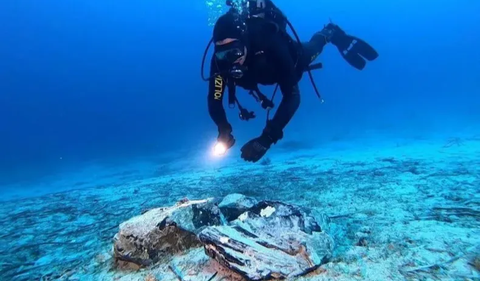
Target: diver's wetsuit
x: 271, y: 58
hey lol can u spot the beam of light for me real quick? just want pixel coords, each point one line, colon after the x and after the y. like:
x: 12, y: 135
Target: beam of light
x: 219, y: 149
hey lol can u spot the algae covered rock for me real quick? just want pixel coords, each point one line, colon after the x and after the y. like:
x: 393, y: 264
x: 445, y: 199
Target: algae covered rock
x: 161, y: 232
x: 233, y: 205
x: 255, y: 240
x: 270, y: 240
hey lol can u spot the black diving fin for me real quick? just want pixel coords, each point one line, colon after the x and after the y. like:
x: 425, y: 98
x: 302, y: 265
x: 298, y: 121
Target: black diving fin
x: 354, y: 50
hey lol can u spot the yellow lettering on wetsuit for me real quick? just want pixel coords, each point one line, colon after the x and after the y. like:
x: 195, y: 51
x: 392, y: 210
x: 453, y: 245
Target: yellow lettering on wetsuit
x: 312, y: 58
x: 218, y: 88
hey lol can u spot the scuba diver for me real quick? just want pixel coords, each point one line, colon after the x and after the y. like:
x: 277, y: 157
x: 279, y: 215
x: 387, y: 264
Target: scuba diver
x: 252, y: 47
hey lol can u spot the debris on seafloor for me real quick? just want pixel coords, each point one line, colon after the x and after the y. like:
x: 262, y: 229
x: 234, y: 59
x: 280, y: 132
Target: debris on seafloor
x: 258, y: 240
x: 469, y: 254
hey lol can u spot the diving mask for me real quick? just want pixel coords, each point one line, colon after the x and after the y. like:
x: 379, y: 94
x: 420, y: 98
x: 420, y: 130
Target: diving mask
x: 228, y: 55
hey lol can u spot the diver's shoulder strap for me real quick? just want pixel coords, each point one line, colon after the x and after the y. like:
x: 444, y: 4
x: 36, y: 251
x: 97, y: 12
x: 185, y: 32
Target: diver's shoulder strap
x: 232, y: 92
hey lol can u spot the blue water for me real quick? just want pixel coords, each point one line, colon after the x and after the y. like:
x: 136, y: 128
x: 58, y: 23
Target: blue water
x: 113, y: 81
x: 103, y: 101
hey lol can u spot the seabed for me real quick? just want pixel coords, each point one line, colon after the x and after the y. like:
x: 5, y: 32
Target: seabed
x: 408, y: 210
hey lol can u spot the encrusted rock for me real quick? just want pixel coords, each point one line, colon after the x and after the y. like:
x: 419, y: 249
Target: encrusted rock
x: 233, y: 205
x: 160, y: 232
x: 250, y: 240
x: 270, y: 240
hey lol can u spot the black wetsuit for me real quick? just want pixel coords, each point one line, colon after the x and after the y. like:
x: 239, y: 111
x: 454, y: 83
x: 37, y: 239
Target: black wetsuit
x: 272, y: 57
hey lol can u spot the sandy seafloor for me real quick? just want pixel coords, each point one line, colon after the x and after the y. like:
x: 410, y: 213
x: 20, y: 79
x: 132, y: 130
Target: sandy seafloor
x: 416, y: 203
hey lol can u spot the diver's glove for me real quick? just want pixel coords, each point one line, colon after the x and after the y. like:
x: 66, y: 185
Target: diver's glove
x: 256, y: 148
x: 225, y: 136
x: 354, y: 50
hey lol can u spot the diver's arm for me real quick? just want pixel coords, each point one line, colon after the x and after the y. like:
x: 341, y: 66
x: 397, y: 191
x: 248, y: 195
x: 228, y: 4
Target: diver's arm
x: 289, y: 88
x: 288, y: 106
x: 216, y: 90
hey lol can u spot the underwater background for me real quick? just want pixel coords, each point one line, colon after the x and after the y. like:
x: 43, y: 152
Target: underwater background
x: 113, y: 81
x: 101, y: 93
